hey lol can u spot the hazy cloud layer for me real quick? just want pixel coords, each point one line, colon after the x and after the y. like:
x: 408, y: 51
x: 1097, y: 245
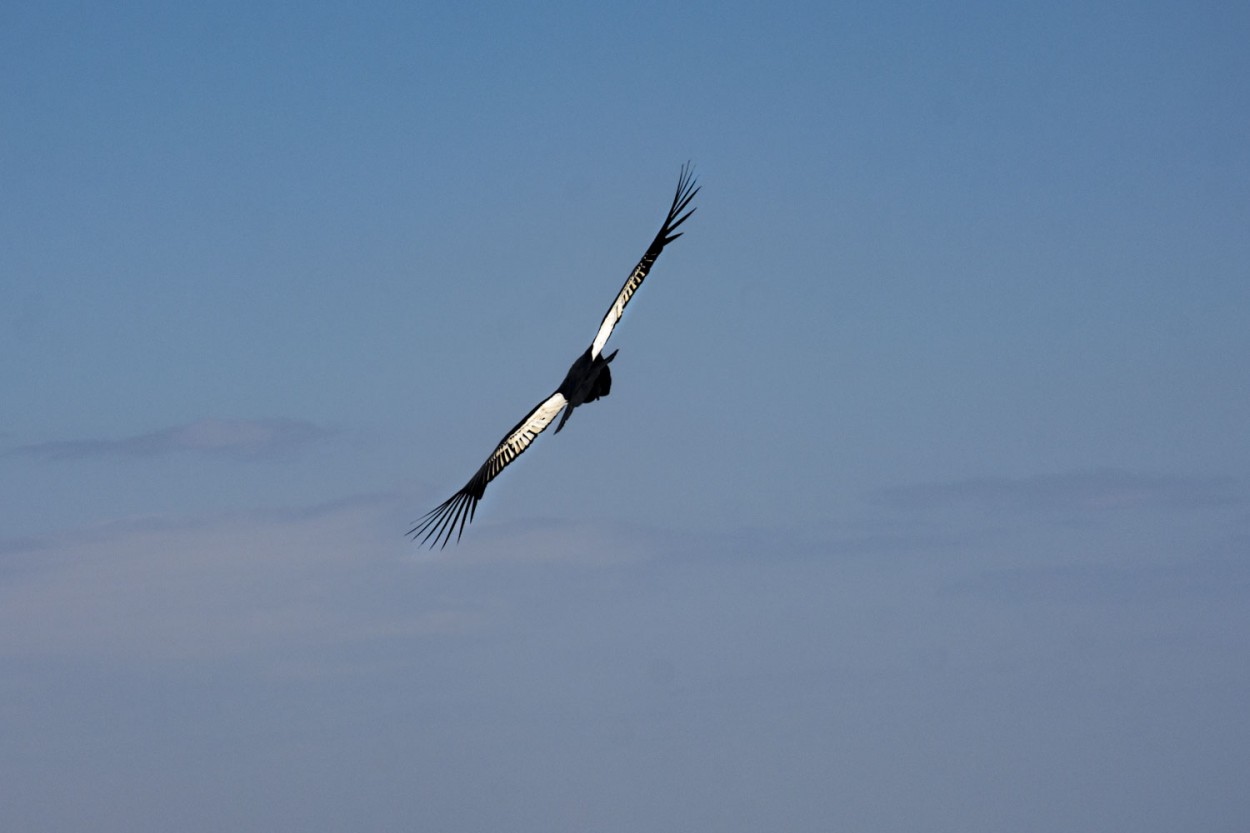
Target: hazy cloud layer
x: 240, y: 439
x: 209, y: 587
x: 584, y: 665
x: 302, y: 578
x: 1214, y: 578
x: 1087, y: 491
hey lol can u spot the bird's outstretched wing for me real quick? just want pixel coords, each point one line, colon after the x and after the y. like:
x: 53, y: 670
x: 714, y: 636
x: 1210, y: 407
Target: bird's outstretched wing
x: 457, y: 511
x: 686, y: 189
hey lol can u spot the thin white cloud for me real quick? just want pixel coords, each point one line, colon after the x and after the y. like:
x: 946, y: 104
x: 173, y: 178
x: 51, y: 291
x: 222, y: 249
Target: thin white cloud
x: 240, y: 439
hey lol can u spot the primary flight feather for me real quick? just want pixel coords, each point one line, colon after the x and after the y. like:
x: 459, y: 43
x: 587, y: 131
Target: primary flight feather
x: 588, y: 379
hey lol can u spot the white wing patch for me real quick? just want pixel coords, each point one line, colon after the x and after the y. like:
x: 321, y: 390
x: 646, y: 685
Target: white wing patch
x: 617, y: 310
x: 523, y: 435
x: 452, y: 514
x: 686, y: 189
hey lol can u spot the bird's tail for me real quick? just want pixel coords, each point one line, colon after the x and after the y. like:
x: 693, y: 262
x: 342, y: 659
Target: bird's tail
x: 564, y: 417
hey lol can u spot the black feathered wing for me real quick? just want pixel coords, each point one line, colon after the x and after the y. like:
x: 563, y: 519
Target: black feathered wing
x: 457, y: 511
x: 686, y: 189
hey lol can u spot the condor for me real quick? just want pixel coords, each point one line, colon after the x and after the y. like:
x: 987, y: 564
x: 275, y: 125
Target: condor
x: 587, y: 380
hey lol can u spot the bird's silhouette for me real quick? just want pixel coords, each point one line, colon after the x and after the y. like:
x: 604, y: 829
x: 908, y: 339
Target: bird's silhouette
x: 587, y: 380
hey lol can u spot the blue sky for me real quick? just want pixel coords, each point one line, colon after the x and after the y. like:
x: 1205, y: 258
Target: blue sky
x: 921, y: 500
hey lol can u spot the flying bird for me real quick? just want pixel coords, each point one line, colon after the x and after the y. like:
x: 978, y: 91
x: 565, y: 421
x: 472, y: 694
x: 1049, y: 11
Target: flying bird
x: 587, y: 380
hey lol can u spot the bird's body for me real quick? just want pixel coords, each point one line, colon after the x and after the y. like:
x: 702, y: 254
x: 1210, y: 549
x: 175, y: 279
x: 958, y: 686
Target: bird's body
x: 588, y: 379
